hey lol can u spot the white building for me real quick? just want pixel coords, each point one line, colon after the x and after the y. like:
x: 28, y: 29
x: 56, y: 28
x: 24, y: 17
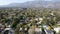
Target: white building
x: 57, y: 29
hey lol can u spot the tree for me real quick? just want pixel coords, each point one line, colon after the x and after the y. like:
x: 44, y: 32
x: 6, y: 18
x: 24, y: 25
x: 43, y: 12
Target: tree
x: 15, y: 22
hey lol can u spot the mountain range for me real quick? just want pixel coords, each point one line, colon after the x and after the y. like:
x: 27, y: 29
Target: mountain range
x: 29, y: 4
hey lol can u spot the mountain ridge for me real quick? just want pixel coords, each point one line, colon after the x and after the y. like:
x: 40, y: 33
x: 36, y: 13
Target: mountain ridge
x: 46, y: 4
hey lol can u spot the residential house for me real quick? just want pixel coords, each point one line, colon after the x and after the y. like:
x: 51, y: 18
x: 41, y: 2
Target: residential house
x: 8, y: 31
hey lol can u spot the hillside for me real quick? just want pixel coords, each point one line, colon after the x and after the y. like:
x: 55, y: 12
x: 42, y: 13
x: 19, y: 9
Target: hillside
x: 46, y: 4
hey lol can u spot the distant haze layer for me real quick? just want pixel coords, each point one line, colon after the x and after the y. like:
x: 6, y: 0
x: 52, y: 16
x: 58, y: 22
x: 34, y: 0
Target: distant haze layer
x: 6, y: 2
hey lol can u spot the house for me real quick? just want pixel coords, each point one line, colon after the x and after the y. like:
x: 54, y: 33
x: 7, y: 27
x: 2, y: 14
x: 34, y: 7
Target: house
x: 20, y: 29
x: 38, y: 31
x: 44, y: 26
x: 58, y: 23
x: 57, y: 29
x: 8, y: 31
x: 36, y: 19
x: 31, y: 30
x: 39, y: 20
x: 48, y: 18
x: 27, y: 19
x: 23, y: 30
x: 49, y: 32
x: 0, y: 27
x: 47, y: 29
x: 52, y: 13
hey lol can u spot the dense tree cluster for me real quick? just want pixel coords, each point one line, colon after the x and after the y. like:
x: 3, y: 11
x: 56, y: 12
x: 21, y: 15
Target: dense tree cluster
x: 22, y: 19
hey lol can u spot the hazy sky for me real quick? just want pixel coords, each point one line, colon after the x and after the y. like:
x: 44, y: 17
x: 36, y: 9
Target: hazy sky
x: 5, y: 2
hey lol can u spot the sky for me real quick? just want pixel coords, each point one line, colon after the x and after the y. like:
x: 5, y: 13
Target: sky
x: 6, y: 2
